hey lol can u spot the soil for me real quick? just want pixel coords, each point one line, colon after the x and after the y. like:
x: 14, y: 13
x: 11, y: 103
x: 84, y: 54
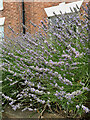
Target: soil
x: 9, y: 113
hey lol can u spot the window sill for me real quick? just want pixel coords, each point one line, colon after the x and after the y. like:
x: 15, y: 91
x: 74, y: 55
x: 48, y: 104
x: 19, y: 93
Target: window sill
x: 1, y: 9
x: 2, y: 20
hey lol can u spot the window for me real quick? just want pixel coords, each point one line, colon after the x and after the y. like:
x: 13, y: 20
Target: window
x: 49, y: 11
x: 2, y: 28
x: 1, y: 4
x: 64, y: 8
x: 1, y: 32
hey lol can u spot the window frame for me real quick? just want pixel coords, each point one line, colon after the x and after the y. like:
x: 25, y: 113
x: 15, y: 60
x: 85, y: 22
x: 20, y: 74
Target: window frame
x: 1, y: 32
x: 1, y: 4
x: 2, y: 20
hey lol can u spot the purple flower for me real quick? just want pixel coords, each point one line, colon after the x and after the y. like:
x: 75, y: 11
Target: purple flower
x: 85, y: 109
x: 77, y: 106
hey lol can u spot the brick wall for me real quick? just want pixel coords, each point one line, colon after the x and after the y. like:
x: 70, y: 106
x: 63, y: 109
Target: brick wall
x: 34, y: 11
x: 12, y: 16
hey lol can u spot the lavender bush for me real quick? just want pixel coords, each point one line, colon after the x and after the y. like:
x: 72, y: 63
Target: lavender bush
x: 49, y: 68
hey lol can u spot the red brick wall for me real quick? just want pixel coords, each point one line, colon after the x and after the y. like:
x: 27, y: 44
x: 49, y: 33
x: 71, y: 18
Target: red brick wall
x: 12, y: 16
x: 34, y: 11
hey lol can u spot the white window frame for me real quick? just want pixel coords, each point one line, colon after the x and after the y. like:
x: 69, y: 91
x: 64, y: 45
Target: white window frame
x: 1, y: 32
x: 2, y: 20
x: 1, y: 4
x: 49, y: 11
x: 64, y: 8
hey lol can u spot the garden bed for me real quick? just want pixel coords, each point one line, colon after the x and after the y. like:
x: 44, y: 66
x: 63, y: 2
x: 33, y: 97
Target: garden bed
x: 9, y: 113
x: 48, y: 73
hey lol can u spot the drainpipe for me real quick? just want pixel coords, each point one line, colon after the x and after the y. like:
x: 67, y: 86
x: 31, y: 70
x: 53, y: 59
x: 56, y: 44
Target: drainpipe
x: 23, y: 16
